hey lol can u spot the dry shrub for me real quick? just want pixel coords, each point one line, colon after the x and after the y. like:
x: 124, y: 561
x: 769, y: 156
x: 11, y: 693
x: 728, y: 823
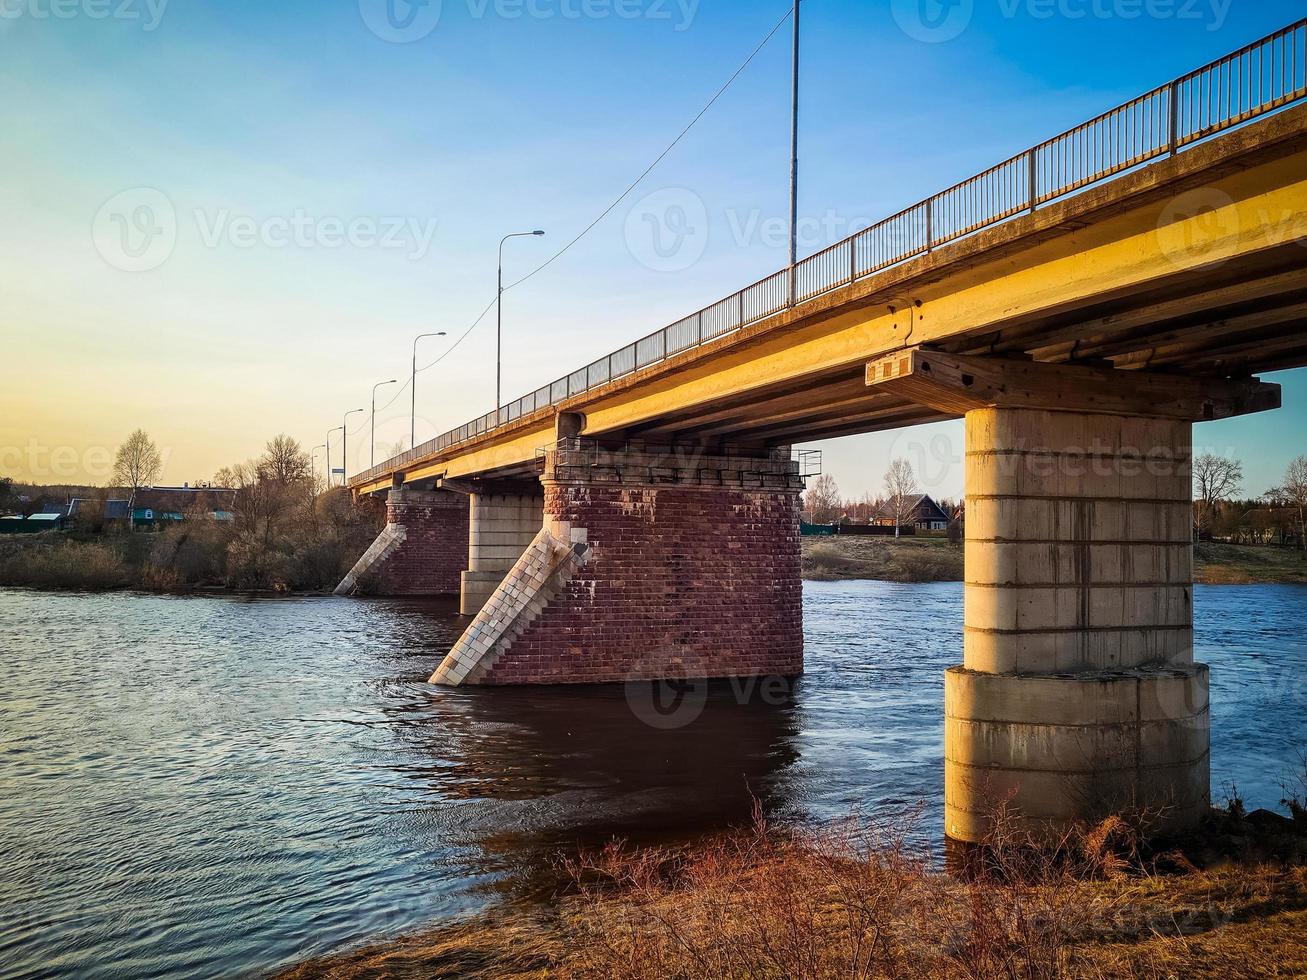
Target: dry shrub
x: 853, y: 901
x: 64, y: 564
x: 846, y: 901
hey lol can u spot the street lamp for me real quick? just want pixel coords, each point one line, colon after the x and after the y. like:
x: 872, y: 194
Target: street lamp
x: 338, y: 429
x: 499, y: 315
x: 372, y: 456
x: 413, y: 390
x: 314, y: 451
x: 344, y: 456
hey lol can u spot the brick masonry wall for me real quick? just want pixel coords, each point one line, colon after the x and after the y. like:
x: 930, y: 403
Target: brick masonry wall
x: 428, y: 557
x: 694, y: 581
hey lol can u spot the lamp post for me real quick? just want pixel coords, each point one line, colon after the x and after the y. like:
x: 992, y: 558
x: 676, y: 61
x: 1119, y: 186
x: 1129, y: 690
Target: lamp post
x: 499, y: 313
x: 344, y: 436
x: 338, y: 429
x: 372, y: 455
x: 413, y: 390
x: 314, y: 451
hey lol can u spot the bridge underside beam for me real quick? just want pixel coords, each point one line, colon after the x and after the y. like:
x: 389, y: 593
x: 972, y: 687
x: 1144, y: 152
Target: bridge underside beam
x: 1078, y: 695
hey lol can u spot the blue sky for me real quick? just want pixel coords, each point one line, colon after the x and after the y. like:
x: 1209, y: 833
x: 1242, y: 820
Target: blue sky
x: 255, y: 119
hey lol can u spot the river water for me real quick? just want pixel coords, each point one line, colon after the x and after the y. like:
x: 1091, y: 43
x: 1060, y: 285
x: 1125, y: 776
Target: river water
x: 215, y: 786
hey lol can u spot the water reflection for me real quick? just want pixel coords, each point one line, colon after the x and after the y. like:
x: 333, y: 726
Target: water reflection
x: 215, y: 787
x: 554, y: 769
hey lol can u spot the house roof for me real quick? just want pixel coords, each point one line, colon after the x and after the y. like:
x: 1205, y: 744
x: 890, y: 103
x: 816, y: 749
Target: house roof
x: 174, y: 500
x: 113, y: 509
x: 182, y: 499
x: 920, y: 507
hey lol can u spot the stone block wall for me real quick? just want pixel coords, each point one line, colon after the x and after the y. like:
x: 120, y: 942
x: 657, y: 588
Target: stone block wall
x: 697, y: 576
x: 422, y: 551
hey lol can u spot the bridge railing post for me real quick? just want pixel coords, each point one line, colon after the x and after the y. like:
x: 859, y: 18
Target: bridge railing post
x: 1173, y: 97
x: 1034, y: 179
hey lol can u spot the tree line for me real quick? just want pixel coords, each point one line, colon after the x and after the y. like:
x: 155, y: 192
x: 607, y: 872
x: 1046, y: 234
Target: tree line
x: 1278, y: 516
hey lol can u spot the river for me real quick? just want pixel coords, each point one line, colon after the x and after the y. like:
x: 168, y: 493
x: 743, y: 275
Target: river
x: 217, y: 786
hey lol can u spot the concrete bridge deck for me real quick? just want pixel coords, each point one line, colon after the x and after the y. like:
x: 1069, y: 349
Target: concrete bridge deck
x: 1081, y: 306
x: 1193, y: 263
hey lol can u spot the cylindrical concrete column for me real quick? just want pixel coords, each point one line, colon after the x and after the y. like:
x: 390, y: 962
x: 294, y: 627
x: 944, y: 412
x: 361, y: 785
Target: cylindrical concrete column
x: 1078, y: 695
x: 502, y: 527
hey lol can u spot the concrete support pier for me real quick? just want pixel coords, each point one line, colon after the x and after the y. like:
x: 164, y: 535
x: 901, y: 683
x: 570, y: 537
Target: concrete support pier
x: 649, y: 565
x: 503, y: 525
x: 421, y: 551
x: 1078, y: 695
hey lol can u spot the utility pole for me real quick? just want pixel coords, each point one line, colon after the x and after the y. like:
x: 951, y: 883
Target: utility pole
x: 794, y: 162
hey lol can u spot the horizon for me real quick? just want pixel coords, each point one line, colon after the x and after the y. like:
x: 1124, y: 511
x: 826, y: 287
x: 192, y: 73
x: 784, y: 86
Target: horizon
x: 279, y: 302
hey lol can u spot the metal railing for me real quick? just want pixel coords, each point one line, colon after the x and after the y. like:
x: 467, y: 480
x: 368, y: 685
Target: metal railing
x: 1260, y: 78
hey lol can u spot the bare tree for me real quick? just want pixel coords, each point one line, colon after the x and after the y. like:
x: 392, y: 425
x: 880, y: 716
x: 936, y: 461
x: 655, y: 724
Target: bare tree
x: 284, y: 462
x: 900, y: 491
x: 137, y: 465
x: 1215, y: 479
x: 392, y: 449
x: 822, y: 501
x: 1294, y: 494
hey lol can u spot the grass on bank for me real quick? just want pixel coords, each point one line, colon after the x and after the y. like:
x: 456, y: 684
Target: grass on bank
x: 1216, y: 563
x: 907, y: 559
x: 310, y: 553
x: 934, y: 559
x: 852, y: 901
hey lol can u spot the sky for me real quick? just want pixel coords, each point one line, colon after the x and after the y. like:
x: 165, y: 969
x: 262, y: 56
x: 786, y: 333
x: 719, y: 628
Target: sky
x: 228, y: 220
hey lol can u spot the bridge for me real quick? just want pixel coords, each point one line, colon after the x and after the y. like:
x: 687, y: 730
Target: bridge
x: 1081, y: 305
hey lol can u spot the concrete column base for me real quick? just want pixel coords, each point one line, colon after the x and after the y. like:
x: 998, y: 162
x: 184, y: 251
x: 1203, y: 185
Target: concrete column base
x: 477, y: 588
x: 1078, y: 696
x: 1051, y: 751
x: 502, y: 527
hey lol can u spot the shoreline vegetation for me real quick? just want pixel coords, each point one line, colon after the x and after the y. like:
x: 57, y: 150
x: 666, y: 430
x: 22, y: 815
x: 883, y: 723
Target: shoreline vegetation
x: 309, y: 558
x: 935, y: 559
x: 312, y: 554
x: 853, y: 900
x: 266, y: 526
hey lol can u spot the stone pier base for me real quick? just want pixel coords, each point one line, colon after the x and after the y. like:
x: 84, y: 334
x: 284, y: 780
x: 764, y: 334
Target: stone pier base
x: 647, y: 566
x: 422, y: 550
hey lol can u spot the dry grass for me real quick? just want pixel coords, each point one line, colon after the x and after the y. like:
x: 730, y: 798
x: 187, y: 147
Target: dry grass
x: 853, y: 902
x: 44, y: 562
x: 1236, y: 564
x: 914, y: 559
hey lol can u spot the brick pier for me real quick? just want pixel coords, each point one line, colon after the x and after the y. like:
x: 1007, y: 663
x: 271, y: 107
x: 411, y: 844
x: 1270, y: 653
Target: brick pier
x: 422, y: 551
x: 649, y: 565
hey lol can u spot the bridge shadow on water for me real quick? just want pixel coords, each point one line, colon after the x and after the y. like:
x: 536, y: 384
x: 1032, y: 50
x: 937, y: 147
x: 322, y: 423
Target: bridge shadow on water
x: 525, y: 776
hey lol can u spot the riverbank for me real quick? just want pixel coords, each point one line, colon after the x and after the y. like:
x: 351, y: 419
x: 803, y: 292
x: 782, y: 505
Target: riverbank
x: 307, y: 557
x: 934, y: 559
x: 852, y: 901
